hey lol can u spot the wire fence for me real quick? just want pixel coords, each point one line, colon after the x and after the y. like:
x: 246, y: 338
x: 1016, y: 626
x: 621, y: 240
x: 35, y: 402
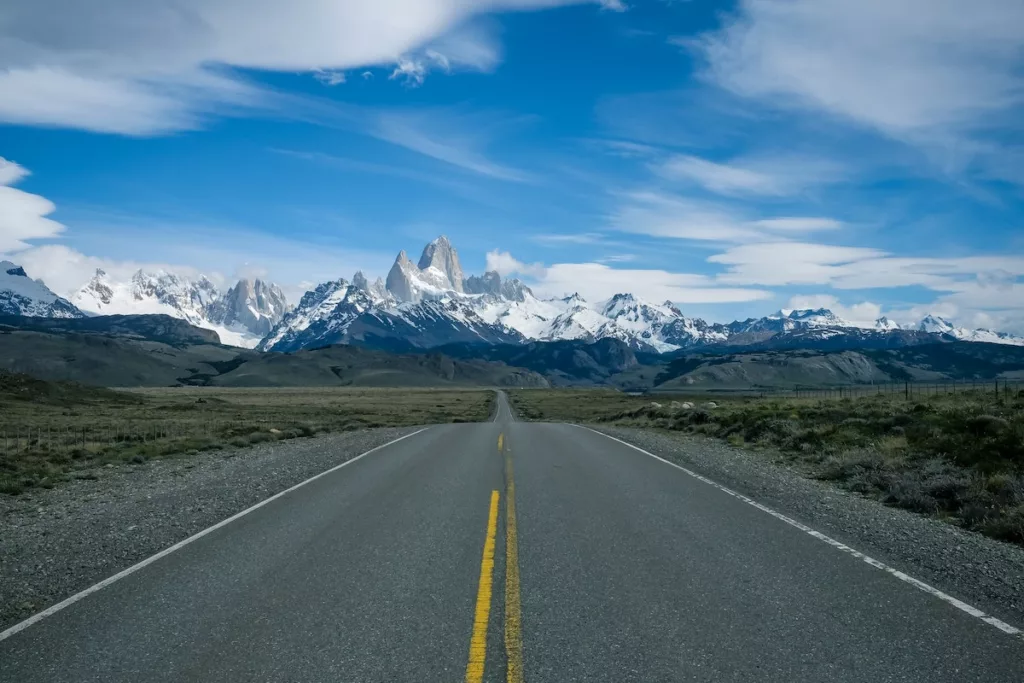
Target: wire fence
x: 56, y: 438
x: 1002, y: 388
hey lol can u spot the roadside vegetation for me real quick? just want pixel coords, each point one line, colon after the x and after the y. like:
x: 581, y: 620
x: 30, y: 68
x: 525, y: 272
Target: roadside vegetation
x: 958, y: 457
x: 50, y: 431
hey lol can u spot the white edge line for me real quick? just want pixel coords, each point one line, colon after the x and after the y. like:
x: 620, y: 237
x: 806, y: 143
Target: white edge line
x: 931, y: 590
x: 53, y: 609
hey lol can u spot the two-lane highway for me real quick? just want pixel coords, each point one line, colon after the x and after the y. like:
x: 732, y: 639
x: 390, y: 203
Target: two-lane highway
x: 511, y: 551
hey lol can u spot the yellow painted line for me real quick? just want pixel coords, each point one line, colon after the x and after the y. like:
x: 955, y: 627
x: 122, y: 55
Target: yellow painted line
x: 501, y: 441
x: 478, y: 643
x: 513, y: 609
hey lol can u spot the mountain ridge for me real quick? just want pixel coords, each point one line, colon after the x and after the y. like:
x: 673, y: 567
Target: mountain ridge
x: 432, y: 302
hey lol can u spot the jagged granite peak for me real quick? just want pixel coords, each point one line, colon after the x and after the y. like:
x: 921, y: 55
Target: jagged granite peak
x: 409, y: 283
x: 935, y: 324
x: 377, y: 289
x: 401, y: 277
x: 180, y: 292
x: 441, y: 255
x: 21, y: 295
x: 488, y: 283
x: 515, y: 290
x: 574, y: 299
x: 884, y: 323
x: 254, y: 305
x: 99, y: 287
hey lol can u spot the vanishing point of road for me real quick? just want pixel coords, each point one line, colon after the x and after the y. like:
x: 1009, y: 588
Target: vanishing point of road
x: 511, y: 551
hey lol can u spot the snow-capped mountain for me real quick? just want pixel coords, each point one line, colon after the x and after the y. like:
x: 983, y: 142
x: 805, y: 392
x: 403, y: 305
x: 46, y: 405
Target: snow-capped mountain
x: 241, y: 317
x: 936, y: 325
x: 431, y: 302
x: 21, y: 295
x: 340, y: 312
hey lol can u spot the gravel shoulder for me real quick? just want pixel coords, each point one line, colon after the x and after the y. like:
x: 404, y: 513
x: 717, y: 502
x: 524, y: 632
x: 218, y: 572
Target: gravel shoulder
x: 986, y: 573
x: 56, y: 542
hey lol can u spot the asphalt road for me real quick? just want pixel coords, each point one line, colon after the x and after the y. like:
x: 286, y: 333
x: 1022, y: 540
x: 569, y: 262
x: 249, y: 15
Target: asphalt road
x: 610, y: 566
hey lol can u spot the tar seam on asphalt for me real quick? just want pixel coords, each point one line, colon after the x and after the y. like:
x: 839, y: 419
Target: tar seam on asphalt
x: 513, y: 606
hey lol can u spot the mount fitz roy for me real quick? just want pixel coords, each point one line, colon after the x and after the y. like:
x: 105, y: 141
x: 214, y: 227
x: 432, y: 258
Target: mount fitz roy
x: 432, y: 303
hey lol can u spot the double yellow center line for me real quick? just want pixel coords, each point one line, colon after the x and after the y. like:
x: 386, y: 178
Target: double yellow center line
x: 513, y: 610
x: 478, y: 643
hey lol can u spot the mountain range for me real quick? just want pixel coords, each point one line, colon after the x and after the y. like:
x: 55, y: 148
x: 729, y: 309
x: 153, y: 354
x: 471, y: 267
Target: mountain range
x: 242, y: 316
x: 431, y: 303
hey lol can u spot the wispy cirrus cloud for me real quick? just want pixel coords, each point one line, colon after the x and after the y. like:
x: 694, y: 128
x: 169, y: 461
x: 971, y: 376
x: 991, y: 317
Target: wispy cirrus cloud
x: 662, y: 215
x: 570, y: 238
x: 454, y: 137
x: 768, y: 175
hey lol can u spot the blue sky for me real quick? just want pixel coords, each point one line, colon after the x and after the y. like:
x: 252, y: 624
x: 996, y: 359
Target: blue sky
x: 734, y: 157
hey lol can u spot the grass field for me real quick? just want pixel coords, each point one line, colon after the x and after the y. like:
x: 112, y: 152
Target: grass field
x: 50, y: 431
x: 959, y: 457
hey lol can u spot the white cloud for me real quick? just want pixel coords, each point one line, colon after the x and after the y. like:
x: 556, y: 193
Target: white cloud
x: 778, y: 175
x: 11, y: 172
x: 597, y: 281
x: 505, y: 264
x: 627, y: 149
x: 785, y: 225
x: 789, y: 263
x: 569, y: 238
x: 329, y: 77
x: 908, y: 68
x: 786, y: 263
x: 412, y: 72
x: 863, y: 313
x: 23, y: 216
x: 145, y: 68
